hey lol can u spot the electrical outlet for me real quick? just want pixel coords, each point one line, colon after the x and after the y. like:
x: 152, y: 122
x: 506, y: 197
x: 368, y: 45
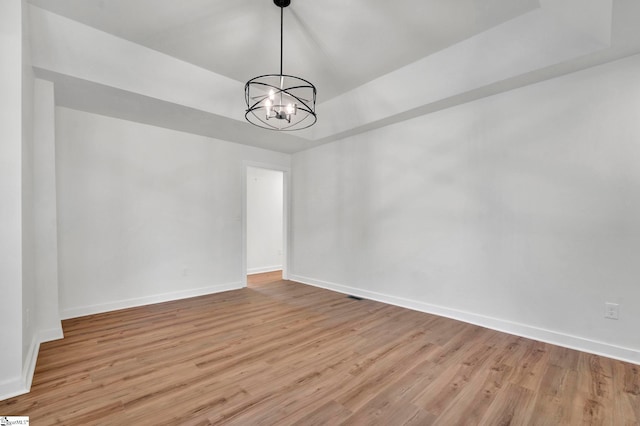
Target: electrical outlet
x: 612, y: 310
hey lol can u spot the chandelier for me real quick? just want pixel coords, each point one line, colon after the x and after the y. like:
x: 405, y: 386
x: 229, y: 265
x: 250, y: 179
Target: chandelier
x: 280, y: 101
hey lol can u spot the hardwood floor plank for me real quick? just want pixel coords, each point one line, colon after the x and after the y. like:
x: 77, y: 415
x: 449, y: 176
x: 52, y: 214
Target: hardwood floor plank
x: 476, y: 397
x: 631, y: 378
x: 563, y: 357
x: 286, y: 353
x: 255, y: 280
x: 400, y: 413
x: 330, y: 413
x: 305, y: 393
x: 443, y: 391
x: 622, y: 388
x: 379, y: 370
x: 513, y: 405
x: 555, y: 383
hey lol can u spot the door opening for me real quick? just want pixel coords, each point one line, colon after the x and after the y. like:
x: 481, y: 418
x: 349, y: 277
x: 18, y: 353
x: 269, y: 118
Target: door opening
x: 265, y: 225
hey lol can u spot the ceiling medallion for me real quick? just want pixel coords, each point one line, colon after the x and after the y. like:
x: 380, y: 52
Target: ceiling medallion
x: 280, y: 101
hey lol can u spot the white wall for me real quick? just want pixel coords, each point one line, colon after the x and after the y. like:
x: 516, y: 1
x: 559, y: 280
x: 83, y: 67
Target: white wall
x: 264, y: 220
x: 518, y: 212
x: 20, y: 226
x: 146, y: 214
x: 47, y: 315
x: 10, y: 194
x: 28, y: 218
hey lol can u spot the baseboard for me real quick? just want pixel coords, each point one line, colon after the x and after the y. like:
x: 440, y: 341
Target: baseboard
x: 22, y: 385
x: 518, y: 329
x: 262, y: 270
x: 29, y: 366
x: 147, y: 300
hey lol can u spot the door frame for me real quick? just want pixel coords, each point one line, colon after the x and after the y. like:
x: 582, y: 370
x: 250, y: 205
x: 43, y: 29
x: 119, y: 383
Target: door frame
x: 286, y: 210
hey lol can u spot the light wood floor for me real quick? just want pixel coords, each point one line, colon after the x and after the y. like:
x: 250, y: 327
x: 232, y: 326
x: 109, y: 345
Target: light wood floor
x: 285, y: 353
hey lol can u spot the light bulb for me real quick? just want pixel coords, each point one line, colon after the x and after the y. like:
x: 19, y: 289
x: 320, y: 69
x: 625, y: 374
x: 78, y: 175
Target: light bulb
x: 272, y: 94
x: 290, y: 109
x: 267, y: 105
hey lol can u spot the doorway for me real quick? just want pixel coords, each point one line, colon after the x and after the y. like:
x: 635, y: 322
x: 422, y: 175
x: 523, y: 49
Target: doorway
x: 265, y: 219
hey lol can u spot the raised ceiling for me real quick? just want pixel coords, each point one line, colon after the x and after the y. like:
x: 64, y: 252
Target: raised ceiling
x: 338, y: 45
x: 374, y: 62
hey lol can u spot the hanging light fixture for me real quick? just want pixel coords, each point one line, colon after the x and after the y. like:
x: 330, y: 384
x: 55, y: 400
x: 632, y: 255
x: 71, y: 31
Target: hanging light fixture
x: 279, y: 101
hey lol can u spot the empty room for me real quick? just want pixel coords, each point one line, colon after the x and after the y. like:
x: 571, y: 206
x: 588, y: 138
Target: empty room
x: 313, y: 212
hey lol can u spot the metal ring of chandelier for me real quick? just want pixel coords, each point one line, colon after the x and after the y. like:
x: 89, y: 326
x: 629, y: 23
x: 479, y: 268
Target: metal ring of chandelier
x: 280, y: 101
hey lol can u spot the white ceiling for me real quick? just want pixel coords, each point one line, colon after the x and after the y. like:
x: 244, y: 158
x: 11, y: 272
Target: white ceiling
x: 348, y: 49
x: 338, y: 45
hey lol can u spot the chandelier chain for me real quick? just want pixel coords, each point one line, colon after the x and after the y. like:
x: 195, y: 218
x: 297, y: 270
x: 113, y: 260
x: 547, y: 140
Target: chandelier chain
x: 281, y: 36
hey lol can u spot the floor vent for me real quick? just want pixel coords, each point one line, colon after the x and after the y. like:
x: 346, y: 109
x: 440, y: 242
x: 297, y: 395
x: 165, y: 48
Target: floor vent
x: 354, y: 297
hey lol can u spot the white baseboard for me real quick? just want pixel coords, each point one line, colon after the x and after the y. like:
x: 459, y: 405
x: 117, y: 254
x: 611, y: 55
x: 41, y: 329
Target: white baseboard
x: 147, y: 300
x: 518, y: 329
x: 22, y: 385
x: 262, y: 270
x: 29, y: 367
